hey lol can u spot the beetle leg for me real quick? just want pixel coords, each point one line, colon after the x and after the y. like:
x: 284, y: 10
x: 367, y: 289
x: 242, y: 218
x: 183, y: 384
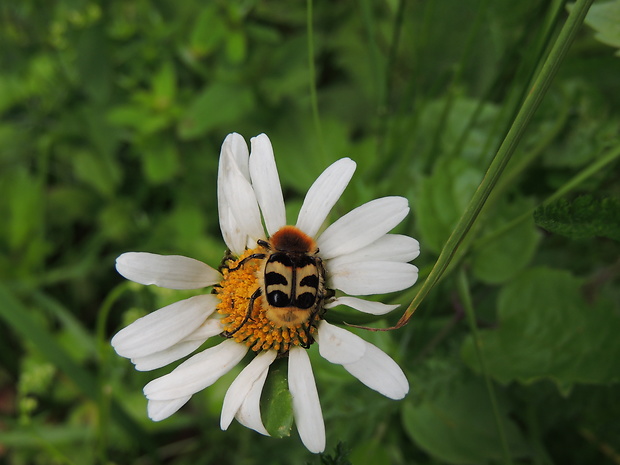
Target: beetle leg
x: 309, y: 327
x: 247, y: 259
x: 254, y: 296
x: 260, y: 242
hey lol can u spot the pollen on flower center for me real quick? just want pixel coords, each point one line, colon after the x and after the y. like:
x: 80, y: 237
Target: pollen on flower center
x: 256, y: 326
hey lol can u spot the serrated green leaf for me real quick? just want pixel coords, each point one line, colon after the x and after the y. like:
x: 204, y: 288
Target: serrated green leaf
x: 457, y: 425
x: 504, y: 256
x: 547, y: 330
x: 586, y: 216
x: 276, y: 401
x: 219, y: 104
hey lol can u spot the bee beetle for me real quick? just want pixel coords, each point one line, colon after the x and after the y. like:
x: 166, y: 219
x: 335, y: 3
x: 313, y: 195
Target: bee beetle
x: 291, y: 279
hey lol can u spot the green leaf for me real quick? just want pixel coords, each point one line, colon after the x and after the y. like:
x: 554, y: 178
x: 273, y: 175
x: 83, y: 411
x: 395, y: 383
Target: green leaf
x: 585, y: 216
x: 502, y: 257
x: 97, y: 170
x: 457, y: 425
x: 160, y: 159
x: 165, y: 85
x: 604, y: 18
x: 32, y: 436
x: 25, y: 208
x: 547, y: 330
x: 468, y: 126
x: 221, y: 104
x: 276, y: 401
x: 19, y: 319
x: 209, y: 31
x: 81, y: 340
x: 289, y: 74
x: 372, y: 452
x: 93, y: 62
x: 140, y: 116
x: 441, y: 199
x: 236, y: 46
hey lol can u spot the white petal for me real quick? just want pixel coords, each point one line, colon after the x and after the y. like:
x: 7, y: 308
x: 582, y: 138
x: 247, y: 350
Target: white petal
x: 365, y: 278
x: 323, y: 194
x: 161, y: 409
x: 389, y: 247
x: 185, y: 346
x: 361, y: 226
x: 337, y: 345
x: 164, y: 327
x: 234, y: 238
x: 237, y: 207
x: 379, y: 372
x: 164, y: 357
x: 209, y: 328
x: 266, y: 183
x: 243, y: 384
x: 237, y: 196
x: 197, y: 373
x: 306, y: 405
x: 366, y: 306
x: 249, y: 412
x: 170, y: 271
x: 235, y: 148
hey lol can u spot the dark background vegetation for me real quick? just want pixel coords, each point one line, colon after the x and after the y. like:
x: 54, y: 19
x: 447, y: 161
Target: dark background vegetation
x: 111, y: 118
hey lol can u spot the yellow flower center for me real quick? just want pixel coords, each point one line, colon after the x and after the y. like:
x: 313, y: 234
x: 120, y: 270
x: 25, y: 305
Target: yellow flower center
x: 249, y: 322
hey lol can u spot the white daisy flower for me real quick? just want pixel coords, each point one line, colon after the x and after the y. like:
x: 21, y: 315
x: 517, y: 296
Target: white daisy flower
x: 272, y: 293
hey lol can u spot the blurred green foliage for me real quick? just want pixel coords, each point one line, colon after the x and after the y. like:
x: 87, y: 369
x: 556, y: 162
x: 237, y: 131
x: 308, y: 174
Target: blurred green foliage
x: 111, y: 118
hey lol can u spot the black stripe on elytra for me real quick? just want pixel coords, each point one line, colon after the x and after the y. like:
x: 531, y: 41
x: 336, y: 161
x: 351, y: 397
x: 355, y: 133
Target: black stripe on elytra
x: 311, y: 280
x: 272, y: 278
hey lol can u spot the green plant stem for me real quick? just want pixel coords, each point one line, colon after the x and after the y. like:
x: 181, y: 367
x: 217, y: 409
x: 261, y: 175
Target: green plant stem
x: 312, y: 76
x: 465, y: 295
x: 529, y: 69
x: 507, y: 148
x: 104, y: 399
x: 521, y: 163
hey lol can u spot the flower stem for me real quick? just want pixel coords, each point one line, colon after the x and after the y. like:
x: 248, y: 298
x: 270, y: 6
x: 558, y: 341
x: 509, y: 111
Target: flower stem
x: 463, y: 289
x: 312, y: 75
x: 507, y: 148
